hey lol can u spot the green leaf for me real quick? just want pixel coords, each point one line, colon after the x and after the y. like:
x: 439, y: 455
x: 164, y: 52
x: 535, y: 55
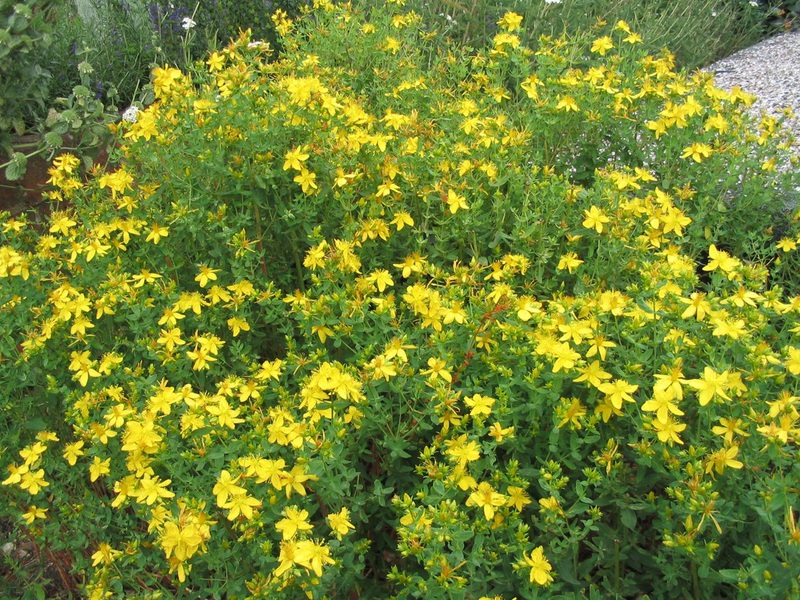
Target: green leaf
x: 628, y: 518
x: 16, y: 167
x: 53, y: 140
x: 37, y: 424
x: 461, y: 535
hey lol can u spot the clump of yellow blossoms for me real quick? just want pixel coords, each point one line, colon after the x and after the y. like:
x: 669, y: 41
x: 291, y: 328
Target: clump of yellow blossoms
x: 375, y: 315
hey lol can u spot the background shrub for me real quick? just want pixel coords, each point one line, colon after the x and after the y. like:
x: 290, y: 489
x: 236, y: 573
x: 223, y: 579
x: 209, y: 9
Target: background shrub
x: 724, y: 26
x: 384, y: 319
x: 26, y: 30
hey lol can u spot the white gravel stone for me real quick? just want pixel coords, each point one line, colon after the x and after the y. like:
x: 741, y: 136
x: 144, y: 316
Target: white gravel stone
x: 770, y: 70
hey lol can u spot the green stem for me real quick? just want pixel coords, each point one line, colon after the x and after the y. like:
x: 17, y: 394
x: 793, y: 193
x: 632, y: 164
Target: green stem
x: 298, y: 264
x: 257, y: 214
x: 31, y: 155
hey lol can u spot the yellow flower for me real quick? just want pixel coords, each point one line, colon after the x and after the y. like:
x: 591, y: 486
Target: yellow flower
x: 66, y: 162
x: 673, y: 220
x: 595, y: 219
x: 622, y: 26
x: 510, y: 21
x: 569, y: 261
x: 658, y: 128
x: 313, y: 555
x: 709, y: 385
x: 215, y: 61
x: 670, y: 383
x: 238, y: 325
x: 540, y: 567
x: 105, y: 554
x: 286, y: 558
x: 602, y: 45
x: 698, y: 306
x: 292, y: 481
x: 118, y: 182
x: 386, y: 189
x: 295, y: 158
x: 499, y: 433
x: 61, y: 223
x: 323, y: 331
x: 33, y: 513
x: 381, y: 278
x: 145, y: 276
x: 413, y: 263
x: 226, y: 416
x: 382, y: 368
x: 150, y: 489
x: 726, y: 327
x: 270, y: 370
x: 206, y: 274
x: 567, y: 104
x: 165, y: 80
x: 661, y: 404
x: 226, y: 487
x: 728, y: 428
x: 201, y: 358
x: 295, y: 520
x: 697, y: 152
x: 570, y: 411
x: 668, y: 430
x: 16, y: 474
x: 614, y: 302
x: 720, y: 260
x: 181, y: 541
x: 438, y: 369
x: 726, y: 457
x: 481, y: 406
x: 241, y: 505
x: 307, y: 181
x: 486, y: 498
x: 517, y: 497
x: 339, y: 523
x: 599, y: 345
x: 170, y: 339
x: 618, y: 391
x: 633, y: 38
x: 72, y: 452
x: 156, y: 233
x: 792, y: 362
x: 593, y: 374
x: 455, y: 202
x: 98, y: 468
x: 401, y: 219
x: 462, y: 450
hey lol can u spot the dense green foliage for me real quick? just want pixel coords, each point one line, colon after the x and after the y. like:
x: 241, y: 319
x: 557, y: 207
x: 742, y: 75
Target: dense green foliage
x: 26, y: 30
x: 697, y: 32
x: 384, y: 317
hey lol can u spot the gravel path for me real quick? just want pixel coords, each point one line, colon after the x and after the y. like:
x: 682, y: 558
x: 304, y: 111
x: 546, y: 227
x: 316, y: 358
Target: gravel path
x: 771, y: 71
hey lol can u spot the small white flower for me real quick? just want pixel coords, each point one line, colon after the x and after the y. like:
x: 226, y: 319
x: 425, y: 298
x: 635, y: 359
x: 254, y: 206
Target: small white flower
x: 753, y: 3
x: 131, y: 114
x: 256, y: 44
x: 714, y: 13
x: 188, y: 23
x: 552, y: 1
